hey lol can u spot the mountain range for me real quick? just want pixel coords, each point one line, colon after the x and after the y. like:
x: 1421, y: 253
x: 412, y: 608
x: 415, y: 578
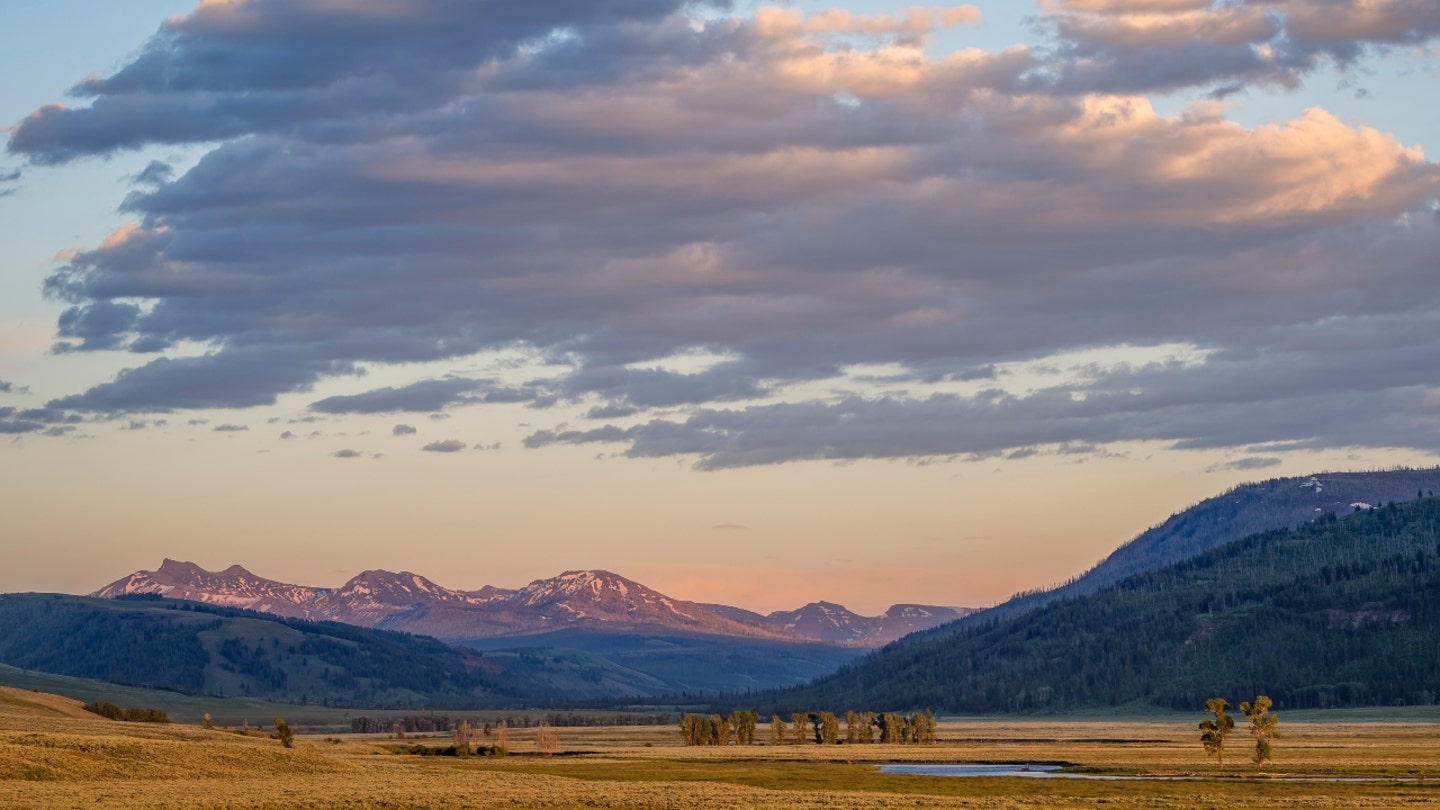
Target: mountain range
x: 597, y: 601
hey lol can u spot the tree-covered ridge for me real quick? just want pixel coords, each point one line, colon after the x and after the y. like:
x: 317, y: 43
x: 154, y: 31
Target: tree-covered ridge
x: 196, y: 648
x: 1237, y: 513
x: 1339, y: 612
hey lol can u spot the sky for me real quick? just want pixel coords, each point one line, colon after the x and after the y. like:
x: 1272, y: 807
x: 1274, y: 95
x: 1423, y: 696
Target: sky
x: 753, y: 303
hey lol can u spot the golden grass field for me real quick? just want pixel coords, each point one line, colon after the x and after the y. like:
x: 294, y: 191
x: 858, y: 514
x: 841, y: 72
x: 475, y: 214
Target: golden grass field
x: 54, y: 755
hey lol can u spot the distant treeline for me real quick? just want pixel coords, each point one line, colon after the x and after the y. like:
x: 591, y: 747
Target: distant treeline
x: 445, y: 723
x: 135, y: 715
x: 823, y: 728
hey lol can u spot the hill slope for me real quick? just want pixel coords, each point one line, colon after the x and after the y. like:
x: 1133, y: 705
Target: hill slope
x: 1279, y: 503
x: 195, y: 648
x: 1340, y: 612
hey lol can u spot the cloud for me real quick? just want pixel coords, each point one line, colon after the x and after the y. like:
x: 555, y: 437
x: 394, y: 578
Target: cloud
x: 6, y: 386
x: 230, y: 428
x: 427, y: 395
x: 1141, y: 47
x: 1247, y: 463
x: 796, y: 200
x: 287, y: 435
x: 403, y: 430
x: 445, y: 446
x: 347, y: 453
x: 9, y: 181
x: 155, y: 173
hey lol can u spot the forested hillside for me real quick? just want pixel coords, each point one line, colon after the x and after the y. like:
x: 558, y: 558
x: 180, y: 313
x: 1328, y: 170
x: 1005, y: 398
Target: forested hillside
x: 195, y: 648
x: 1340, y: 612
x: 1279, y: 503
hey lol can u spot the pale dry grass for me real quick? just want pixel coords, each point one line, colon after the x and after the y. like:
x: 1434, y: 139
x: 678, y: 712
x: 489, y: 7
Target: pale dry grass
x: 50, y: 761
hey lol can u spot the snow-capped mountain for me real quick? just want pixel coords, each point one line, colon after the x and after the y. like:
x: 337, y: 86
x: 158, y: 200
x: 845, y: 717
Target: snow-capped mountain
x: 902, y: 620
x: 835, y: 624
x: 597, y: 600
x: 826, y: 621
x: 586, y: 600
x: 233, y: 587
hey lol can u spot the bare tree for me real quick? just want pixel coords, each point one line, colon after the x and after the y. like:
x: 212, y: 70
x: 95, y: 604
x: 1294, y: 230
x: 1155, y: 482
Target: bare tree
x: 547, y: 739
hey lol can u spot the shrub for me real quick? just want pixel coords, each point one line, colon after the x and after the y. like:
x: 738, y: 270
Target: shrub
x: 104, y: 709
x: 140, y: 715
x: 283, y: 733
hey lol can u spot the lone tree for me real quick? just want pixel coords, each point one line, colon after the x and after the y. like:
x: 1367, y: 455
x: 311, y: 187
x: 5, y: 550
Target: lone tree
x: 1262, y: 727
x: 1213, y: 732
x: 777, y: 730
x: 283, y: 733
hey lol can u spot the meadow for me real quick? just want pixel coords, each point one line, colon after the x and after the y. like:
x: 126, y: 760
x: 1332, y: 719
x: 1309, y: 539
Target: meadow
x: 54, y: 755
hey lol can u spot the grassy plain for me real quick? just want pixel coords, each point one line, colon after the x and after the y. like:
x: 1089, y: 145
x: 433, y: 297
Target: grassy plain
x: 54, y: 756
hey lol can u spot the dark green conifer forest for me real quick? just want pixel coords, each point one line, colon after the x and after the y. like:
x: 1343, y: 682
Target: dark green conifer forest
x: 1340, y: 612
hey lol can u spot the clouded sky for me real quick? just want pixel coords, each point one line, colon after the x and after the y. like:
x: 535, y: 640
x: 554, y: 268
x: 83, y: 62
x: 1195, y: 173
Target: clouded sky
x: 754, y: 303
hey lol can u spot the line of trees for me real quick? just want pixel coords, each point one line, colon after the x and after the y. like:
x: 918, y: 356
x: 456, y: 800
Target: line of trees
x: 715, y: 729
x: 442, y: 722
x: 823, y: 728
x: 135, y: 715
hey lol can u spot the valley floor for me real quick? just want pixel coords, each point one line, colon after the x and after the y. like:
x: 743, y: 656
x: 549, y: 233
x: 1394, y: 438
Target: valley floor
x: 53, y: 756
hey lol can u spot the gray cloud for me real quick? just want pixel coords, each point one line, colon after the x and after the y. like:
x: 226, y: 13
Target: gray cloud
x: 9, y: 182
x: 427, y: 395
x: 453, y: 179
x: 445, y: 446
x: 232, y: 378
x: 1122, y: 47
x: 155, y: 173
x: 6, y: 386
x: 1247, y: 463
x: 403, y: 430
x: 226, y: 71
x: 230, y: 428
x: 347, y: 453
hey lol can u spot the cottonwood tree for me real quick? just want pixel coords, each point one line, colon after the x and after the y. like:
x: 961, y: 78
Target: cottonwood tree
x: 827, y: 728
x: 797, y: 727
x: 744, y: 723
x: 1262, y: 727
x: 720, y: 730
x: 1214, y: 731
x: 892, y: 728
x: 852, y: 727
x: 925, y: 728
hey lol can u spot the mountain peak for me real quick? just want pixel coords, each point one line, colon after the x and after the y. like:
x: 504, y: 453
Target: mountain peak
x: 178, y: 568
x: 233, y: 587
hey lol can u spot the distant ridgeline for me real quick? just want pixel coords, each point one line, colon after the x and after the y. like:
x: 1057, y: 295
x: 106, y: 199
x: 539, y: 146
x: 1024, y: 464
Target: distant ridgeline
x: 1341, y: 612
